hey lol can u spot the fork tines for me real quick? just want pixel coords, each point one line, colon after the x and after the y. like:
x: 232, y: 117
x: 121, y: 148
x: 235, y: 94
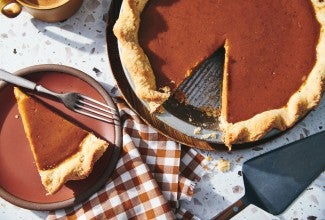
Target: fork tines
x: 96, y: 109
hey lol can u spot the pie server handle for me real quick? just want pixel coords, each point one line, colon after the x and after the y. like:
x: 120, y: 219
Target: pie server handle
x: 232, y: 210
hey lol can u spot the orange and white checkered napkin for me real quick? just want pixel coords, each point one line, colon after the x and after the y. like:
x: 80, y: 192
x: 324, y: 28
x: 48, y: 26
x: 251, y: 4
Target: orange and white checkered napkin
x: 152, y: 175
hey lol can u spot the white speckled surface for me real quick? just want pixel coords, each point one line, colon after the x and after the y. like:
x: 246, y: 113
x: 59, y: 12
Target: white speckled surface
x: 80, y: 42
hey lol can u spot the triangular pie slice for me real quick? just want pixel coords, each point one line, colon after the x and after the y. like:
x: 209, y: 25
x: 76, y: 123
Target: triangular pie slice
x: 62, y: 150
x: 274, y: 68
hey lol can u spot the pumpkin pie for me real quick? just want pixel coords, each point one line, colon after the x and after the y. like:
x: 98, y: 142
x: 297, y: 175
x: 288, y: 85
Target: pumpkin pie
x: 62, y: 150
x: 274, y: 68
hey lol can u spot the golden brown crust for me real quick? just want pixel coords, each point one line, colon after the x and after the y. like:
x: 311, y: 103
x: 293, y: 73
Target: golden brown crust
x: 77, y: 166
x: 133, y: 57
x: 137, y: 63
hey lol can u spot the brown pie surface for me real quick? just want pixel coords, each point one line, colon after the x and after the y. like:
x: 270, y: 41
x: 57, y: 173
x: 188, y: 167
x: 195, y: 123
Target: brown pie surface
x: 274, y: 63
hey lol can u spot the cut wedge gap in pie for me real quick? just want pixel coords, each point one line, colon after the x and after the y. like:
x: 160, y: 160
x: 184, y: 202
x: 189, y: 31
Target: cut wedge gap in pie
x: 274, y: 69
x: 62, y: 150
x: 197, y: 99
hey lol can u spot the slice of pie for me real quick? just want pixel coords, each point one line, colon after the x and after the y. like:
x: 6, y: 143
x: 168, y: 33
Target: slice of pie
x: 62, y: 151
x: 274, y: 68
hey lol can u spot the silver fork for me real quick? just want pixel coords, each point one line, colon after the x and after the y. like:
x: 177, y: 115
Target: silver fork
x: 72, y: 100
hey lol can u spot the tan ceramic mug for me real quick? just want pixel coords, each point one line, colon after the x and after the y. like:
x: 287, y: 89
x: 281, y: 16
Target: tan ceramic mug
x: 44, y: 10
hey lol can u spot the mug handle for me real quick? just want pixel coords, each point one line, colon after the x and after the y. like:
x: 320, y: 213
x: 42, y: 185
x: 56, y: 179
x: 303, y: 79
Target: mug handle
x: 10, y: 8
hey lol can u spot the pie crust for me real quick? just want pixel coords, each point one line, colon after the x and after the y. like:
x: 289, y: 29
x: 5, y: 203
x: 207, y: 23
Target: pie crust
x: 137, y: 63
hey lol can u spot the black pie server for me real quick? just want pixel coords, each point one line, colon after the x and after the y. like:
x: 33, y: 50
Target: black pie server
x: 275, y: 179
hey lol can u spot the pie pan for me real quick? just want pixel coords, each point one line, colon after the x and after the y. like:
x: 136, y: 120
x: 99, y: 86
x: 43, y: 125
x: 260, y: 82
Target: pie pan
x: 20, y: 182
x: 179, y: 121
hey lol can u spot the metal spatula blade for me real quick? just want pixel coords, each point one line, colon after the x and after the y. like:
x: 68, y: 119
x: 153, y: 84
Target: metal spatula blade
x: 274, y: 180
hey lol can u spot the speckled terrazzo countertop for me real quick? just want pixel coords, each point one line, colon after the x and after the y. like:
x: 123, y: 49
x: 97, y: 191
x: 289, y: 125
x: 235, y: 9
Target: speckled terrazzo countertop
x: 80, y: 42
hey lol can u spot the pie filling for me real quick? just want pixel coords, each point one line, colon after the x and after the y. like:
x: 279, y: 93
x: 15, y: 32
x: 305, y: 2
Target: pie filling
x: 59, y: 135
x: 267, y: 59
x: 50, y: 132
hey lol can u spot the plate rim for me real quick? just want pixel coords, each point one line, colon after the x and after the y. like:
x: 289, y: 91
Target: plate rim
x: 115, y: 155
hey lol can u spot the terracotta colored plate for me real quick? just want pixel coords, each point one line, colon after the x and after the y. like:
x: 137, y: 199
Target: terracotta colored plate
x: 20, y: 182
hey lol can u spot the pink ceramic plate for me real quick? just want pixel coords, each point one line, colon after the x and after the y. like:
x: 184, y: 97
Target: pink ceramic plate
x: 20, y: 182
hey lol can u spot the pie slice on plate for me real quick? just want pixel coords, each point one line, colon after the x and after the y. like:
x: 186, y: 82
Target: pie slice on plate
x: 62, y: 150
x: 274, y: 68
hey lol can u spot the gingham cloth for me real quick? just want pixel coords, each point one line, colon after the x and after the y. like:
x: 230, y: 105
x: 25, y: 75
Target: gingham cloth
x: 151, y: 176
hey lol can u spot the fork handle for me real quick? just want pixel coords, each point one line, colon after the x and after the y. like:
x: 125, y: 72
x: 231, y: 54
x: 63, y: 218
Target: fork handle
x: 17, y: 80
